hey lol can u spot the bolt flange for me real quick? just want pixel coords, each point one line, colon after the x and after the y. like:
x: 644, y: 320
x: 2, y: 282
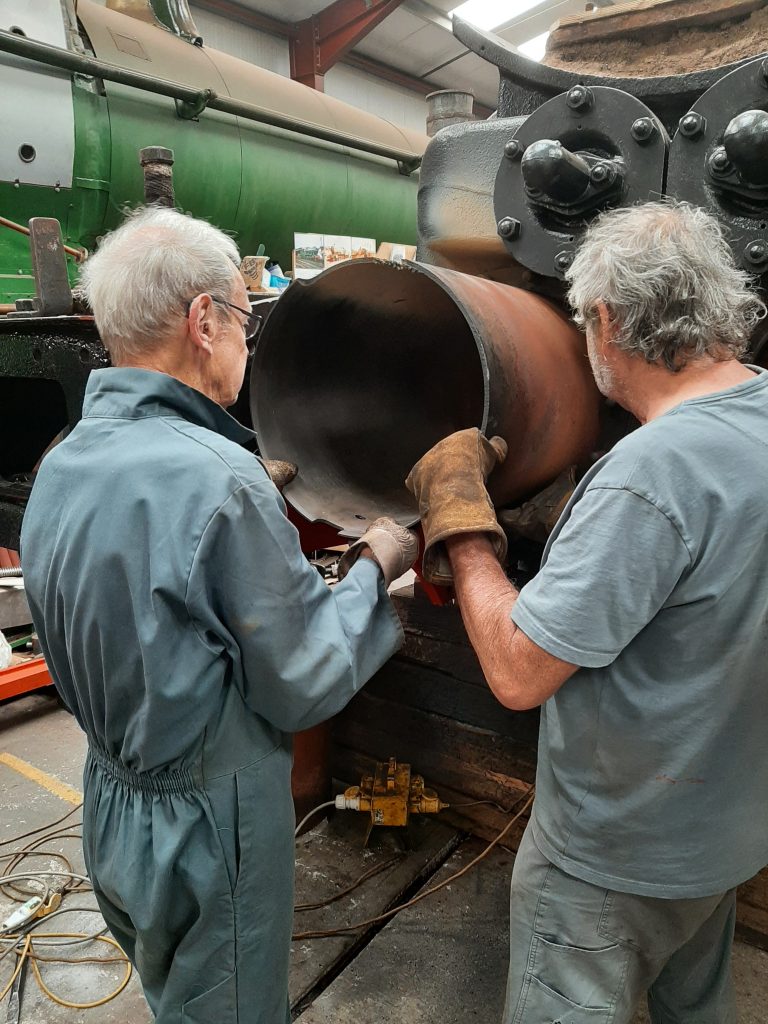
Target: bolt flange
x: 643, y: 129
x: 719, y: 163
x: 155, y: 155
x: 600, y: 174
x: 579, y: 97
x: 756, y: 253
x: 692, y: 125
x: 563, y: 260
x: 508, y: 227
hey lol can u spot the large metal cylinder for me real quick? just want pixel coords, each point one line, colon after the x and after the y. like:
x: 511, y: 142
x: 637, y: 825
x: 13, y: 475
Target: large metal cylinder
x: 359, y: 371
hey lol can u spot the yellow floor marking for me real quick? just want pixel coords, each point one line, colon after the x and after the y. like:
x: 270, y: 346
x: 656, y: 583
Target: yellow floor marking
x: 55, y: 786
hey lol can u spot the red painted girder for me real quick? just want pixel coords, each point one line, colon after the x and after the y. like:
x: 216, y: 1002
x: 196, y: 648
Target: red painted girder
x: 322, y: 40
x: 29, y: 675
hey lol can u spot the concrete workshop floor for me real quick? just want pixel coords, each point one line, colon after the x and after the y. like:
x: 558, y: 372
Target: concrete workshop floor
x: 440, y: 962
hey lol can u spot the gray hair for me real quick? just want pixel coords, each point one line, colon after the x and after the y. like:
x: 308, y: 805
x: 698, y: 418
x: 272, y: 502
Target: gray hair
x: 669, y: 281
x: 143, y: 274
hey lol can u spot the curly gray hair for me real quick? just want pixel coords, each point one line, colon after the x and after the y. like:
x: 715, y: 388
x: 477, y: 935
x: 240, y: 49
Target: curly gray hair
x: 669, y: 281
x: 145, y: 271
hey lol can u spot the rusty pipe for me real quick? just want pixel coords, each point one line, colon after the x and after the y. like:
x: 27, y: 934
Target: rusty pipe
x: 79, y: 254
x: 359, y: 371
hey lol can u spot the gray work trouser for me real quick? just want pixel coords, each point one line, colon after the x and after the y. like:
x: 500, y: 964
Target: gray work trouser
x: 193, y: 873
x: 581, y: 954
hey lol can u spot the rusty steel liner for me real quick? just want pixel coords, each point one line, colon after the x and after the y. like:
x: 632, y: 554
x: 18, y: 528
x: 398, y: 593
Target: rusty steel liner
x: 359, y: 371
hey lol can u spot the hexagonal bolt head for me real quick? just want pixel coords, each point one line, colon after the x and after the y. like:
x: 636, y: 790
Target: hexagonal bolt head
x: 756, y: 253
x: 579, y: 97
x: 643, y: 129
x: 719, y: 162
x: 513, y: 149
x: 508, y: 227
x: 563, y: 260
x: 692, y: 125
x: 155, y: 155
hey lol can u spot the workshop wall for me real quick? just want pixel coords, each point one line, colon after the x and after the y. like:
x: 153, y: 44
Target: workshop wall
x: 397, y: 104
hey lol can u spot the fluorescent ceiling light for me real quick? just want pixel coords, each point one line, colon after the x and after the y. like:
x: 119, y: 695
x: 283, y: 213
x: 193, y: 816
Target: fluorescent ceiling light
x: 534, y: 48
x: 488, y: 14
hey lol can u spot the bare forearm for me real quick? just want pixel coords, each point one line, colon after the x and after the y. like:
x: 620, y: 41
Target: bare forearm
x: 486, y: 598
x: 521, y: 674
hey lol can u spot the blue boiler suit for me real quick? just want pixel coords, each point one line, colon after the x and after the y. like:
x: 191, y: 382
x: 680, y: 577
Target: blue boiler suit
x: 190, y: 637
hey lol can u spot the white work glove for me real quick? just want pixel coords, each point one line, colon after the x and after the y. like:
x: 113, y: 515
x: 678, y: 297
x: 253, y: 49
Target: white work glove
x: 280, y: 472
x: 393, y: 547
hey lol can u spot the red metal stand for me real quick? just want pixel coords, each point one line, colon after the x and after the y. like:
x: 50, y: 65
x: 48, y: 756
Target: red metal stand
x: 30, y: 675
x: 322, y: 40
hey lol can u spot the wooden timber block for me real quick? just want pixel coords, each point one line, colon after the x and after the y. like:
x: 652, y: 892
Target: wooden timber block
x: 657, y: 16
x: 752, y: 910
x: 430, y: 706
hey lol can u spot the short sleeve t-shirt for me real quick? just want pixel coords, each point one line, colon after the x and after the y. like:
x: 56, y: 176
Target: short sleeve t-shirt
x: 653, y: 756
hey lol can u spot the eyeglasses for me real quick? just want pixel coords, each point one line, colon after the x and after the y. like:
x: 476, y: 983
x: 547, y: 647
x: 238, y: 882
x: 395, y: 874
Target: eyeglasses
x: 250, y: 326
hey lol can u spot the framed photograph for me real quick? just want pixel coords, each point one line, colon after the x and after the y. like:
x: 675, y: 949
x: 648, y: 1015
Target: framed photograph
x: 362, y: 248
x: 309, y: 251
x: 336, y: 249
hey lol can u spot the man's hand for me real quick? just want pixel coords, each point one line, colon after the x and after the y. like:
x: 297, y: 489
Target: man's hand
x: 449, y: 485
x: 280, y: 473
x: 392, y: 546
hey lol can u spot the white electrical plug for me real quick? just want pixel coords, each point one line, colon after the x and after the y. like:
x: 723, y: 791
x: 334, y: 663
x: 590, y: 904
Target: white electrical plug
x: 26, y: 912
x: 344, y: 803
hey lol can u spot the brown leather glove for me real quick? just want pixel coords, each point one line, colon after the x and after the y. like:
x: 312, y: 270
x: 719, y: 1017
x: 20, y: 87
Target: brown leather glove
x: 449, y: 485
x: 536, y: 519
x: 280, y: 473
x: 394, y: 547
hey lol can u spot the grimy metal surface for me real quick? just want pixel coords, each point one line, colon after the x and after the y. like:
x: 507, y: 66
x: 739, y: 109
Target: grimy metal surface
x: 718, y: 160
x: 457, y: 227
x: 575, y: 155
x: 359, y: 371
x: 44, y: 367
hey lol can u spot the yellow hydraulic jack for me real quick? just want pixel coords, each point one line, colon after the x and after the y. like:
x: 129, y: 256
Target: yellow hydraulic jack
x: 391, y: 795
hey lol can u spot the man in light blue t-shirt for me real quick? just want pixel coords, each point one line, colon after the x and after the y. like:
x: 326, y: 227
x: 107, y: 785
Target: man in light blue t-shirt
x: 644, y: 637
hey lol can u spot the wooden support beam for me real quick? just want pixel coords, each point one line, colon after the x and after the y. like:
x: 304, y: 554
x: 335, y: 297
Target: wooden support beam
x: 325, y: 38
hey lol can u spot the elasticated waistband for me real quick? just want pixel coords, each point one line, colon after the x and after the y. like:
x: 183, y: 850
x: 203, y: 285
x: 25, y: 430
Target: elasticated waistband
x: 156, y: 783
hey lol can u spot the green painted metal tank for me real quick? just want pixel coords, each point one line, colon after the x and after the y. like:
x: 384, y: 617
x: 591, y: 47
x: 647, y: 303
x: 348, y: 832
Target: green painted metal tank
x: 71, y: 140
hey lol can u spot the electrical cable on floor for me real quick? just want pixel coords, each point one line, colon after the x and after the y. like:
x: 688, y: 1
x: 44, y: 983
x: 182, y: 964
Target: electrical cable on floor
x: 300, y: 908
x: 312, y: 813
x: 42, y: 828
x: 40, y: 894
x: 528, y: 797
x: 487, y: 803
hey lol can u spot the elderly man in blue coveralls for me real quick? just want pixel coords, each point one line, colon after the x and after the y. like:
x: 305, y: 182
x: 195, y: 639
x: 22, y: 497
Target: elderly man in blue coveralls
x: 644, y: 637
x: 186, y: 631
